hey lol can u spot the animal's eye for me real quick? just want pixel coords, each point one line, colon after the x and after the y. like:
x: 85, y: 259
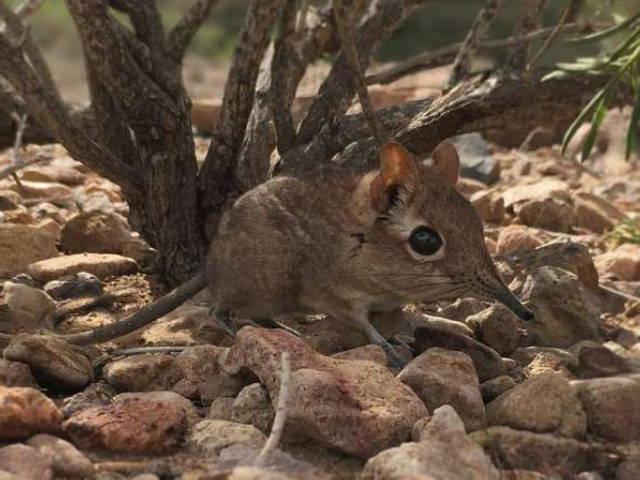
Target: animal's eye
x: 425, y: 241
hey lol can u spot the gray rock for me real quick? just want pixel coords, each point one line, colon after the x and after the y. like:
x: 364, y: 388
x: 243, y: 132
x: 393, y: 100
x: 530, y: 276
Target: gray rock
x: 67, y: 460
x: 26, y: 463
x: 476, y: 160
x: 611, y: 405
x: 440, y: 377
x: 487, y: 362
x: 519, y: 449
x: 441, y: 454
x: 544, y: 403
x: 27, y: 303
x: 212, y: 436
x: 253, y: 406
x: 54, y: 363
x: 492, y: 389
x: 221, y: 409
x: 15, y: 374
x: 499, y: 328
x: 560, y: 320
x: 78, y: 285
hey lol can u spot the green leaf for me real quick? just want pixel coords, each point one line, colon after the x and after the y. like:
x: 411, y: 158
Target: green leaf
x: 596, y: 121
x: 602, y: 34
x: 581, y: 118
x: 632, y: 133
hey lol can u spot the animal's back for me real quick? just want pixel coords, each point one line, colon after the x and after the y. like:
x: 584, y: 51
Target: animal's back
x: 273, y: 240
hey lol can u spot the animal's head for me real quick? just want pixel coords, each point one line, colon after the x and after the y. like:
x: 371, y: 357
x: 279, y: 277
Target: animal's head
x: 427, y: 241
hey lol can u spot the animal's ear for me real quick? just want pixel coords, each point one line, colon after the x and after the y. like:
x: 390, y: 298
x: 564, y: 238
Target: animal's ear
x: 398, y: 174
x: 447, y: 162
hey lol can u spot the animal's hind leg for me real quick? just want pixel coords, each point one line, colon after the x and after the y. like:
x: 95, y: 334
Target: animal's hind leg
x: 271, y: 323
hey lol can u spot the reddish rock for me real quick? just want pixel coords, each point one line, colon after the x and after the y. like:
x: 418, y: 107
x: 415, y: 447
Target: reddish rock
x: 25, y: 463
x: 25, y: 411
x: 21, y: 245
x: 548, y: 213
x: 595, y: 213
x: 357, y: 407
x: 622, y: 263
x: 130, y: 425
x: 489, y: 205
x: 68, y: 461
x: 15, y: 374
x: 96, y: 232
x: 516, y: 238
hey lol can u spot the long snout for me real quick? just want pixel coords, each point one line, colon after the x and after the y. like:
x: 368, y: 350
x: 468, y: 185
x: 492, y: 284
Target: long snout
x: 509, y: 300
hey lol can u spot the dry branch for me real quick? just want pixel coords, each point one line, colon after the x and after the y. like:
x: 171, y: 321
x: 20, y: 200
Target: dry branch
x: 237, y: 103
x: 477, y: 32
x: 181, y: 35
x: 530, y: 20
x: 339, y: 87
x: 446, y: 55
x: 343, y: 13
x: 568, y: 12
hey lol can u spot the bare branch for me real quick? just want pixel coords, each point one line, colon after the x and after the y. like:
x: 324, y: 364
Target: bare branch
x: 237, y: 103
x: 338, y: 89
x: 146, y: 21
x: 279, y: 99
x: 530, y: 19
x: 28, y: 8
x: 477, y: 33
x: 181, y: 35
x: 281, y: 412
x: 445, y: 55
x: 342, y: 11
x: 566, y: 14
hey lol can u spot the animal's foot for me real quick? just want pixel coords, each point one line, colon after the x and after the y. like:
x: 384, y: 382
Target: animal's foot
x: 394, y: 358
x: 224, y: 320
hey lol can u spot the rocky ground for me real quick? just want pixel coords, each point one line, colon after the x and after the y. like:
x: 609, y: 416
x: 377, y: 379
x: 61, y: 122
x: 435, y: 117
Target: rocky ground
x: 485, y: 397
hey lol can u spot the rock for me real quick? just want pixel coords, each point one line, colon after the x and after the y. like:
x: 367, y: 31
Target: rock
x: 487, y: 362
x: 442, y: 377
x: 516, y: 238
x: 221, y: 409
x: 145, y: 256
x: 357, y: 407
x: 519, y: 449
x: 628, y: 470
x: 372, y: 353
x: 130, y: 425
x: 525, y: 355
x: 212, y: 436
x: 9, y: 200
x: 566, y: 255
x: 49, y: 191
x: 29, y: 303
x: 545, y: 362
x: 544, y: 403
x: 26, y: 463
x: 21, y: 245
x: 54, y: 363
x: 549, y: 214
x: 539, y: 137
x: 560, y: 320
x: 623, y: 263
x: 499, y: 328
x: 595, y: 213
x: 468, y: 186
x: 446, y: 455
x: 253, y: 406
x: 51, y: 173
x: 595, y: 361
x: 25, y: 411
x: 96, y: 394
x: 96, y: 232
x: 463, y: 308
x: 489, y: 205
x: 476, y: 161
x: 491, y: 389
x: 548, y: 187
x: 68, y: 461
x: 79, y: 285
x: 172, y: 400
x: 15, y: 374
x: 102, y: 265
x: 137, y: 373
x: 611, y: 407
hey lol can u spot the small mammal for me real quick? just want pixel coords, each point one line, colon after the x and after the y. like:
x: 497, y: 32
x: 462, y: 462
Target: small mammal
x: 343, y: 244
x: 347, y: 245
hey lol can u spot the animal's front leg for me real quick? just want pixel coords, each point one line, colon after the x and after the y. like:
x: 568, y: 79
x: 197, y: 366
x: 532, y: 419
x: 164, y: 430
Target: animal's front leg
x: 361, y: 320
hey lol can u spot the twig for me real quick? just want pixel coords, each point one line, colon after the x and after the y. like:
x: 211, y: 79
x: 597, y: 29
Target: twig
x: 181, y: 35
x: 28, y: 8
x: 281, y: 412
x: 445, y: 55
x: 571, y: 8
x: 301, y: 20
x: 21, y: 123
x: 530, y: 19
x: 343, y: 14
x: 12, y: 169
x: 477, y: 32
x: 337, y: 90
